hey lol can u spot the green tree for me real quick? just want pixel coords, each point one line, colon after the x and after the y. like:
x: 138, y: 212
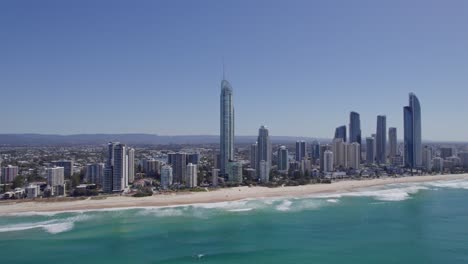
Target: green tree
x: 18, y: 182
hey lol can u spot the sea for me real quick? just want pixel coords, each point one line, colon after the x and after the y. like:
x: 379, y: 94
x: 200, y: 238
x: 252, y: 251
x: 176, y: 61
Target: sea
x: 397, y: 223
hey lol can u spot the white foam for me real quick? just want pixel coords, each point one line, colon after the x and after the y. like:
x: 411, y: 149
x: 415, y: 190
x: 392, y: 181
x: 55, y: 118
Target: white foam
x: 241, y: 210
x: 284, y: 206
x: 333, y: 200
x: 51, y: 226
x: 456, y: 184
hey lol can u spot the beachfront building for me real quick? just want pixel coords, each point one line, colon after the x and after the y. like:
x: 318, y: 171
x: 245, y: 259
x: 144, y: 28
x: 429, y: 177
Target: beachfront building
x: 9, y: 173
x: 353, y: 156
x: 131, y: 165
x: 427, y: 158
x: 152, y: 167
x: 339, y: 153
x: 381, y: 140
x: 264, y: 148
x: 214, y: 177
x: 191, y: 178
x: 438, y: 164
x: 226, y: 125
x: 95, y: 173
x: 412, y: 133
x: 264, y: 174
x: 253, y: 155
x: 323, y: 148
x: 67, y: 166
x: 283, y: 161
x: 166, y: 176
x: 328, y: 161
x: 300, y: 150
x: 392, y: 142
x: 370, y: 150
x: 116, y: 169
x: 234, y: 171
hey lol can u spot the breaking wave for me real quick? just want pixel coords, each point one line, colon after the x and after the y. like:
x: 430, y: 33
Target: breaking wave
x: 54, y: 226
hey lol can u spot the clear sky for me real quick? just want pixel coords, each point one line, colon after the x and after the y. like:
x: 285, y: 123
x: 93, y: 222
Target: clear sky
x: 298, y: 67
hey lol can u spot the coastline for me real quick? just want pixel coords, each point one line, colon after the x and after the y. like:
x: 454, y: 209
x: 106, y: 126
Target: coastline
x: 216, y: 196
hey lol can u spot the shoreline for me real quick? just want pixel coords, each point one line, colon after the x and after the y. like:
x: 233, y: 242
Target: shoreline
x: 211, y: 197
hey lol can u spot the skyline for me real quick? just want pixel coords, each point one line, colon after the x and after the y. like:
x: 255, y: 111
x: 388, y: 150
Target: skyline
x: 164, y: 62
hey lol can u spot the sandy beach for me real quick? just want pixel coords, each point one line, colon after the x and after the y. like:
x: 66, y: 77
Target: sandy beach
x: 220, y: 195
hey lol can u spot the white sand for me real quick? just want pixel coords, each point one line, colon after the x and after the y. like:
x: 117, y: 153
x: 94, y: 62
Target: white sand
x: 221, y: 195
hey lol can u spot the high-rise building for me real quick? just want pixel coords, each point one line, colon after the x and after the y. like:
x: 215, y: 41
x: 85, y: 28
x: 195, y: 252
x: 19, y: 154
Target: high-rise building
x: 131, y: 165
x: 214, y: 175
x: 446, y: 152
x: 392, y: 142
x: 323, y: 148
x: 464, y: 159
x: 370, y: 150
x: 179, y: 167
x: 166, y: 176
x: 339, y: 153
x: 264, y: 147
x: 438, y: 164
x: 315, y: 151
x: 234, y: 171
x: 95, y: 173
x: 55, y: 176
x: 193, y: 158
x: 427, y: 158
x: 120, y: 170
x: 412, y: 133
x: 340, y: 132
x: 226, y: 125
x: 381, y: 153
x: 152, y: 167
x: 67, y: 166
x: 355, y: 129
x: 116, y: 170
x: 253, y: 155
x: 9, y: 173
x: 300, y: 150
x: 328, y: 161
x: 353, y: 156
x: 264, y: 173
x: 283, y: 161
x: 191, y: 178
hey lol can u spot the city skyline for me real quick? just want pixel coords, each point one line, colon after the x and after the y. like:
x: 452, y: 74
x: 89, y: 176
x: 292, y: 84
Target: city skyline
x: 164, y: 73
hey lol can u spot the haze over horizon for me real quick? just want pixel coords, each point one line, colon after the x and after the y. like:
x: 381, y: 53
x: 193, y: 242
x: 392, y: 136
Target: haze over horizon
x: 297, y: 67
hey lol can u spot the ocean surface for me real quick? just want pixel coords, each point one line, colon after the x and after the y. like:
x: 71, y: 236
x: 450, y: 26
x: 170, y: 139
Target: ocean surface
x: 399, y: 223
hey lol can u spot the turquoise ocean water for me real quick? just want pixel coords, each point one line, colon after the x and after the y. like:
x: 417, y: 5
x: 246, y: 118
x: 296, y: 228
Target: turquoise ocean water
x: 401, y: 223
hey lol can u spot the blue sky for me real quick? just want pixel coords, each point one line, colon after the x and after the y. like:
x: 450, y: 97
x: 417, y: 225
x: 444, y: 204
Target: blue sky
x: 298, y: 67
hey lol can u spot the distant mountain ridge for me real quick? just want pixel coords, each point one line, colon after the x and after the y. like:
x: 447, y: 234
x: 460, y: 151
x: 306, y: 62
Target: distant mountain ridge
x: 131, y: 139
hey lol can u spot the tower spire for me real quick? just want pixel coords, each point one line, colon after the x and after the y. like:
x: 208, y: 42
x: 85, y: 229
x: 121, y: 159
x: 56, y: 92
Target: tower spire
x: 224, y: 73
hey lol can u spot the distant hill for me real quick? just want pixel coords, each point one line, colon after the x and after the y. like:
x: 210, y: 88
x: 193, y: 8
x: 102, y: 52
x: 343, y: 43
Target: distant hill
x: 131, y: 139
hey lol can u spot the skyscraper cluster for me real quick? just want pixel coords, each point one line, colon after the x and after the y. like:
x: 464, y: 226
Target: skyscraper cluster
x: 116, y: 171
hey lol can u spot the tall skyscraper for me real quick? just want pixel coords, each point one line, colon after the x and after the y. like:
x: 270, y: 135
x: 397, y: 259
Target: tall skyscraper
x: 264, y: 171
x: 381, y: 155
x: 264, y: 148
x: 95, y: 173
x: 412, y: 133
x: 283, y: 162
x: 353, y: 157
x: 116, y: 170
x: 392, y: 139
x: 323, y: 148
x: 226, y: 125
x: 300, y: 150
x: 315, y: 151
x: 179, y: 168
x: 328, y: 161
x: 120, y: 170
x: 427, y: 158
x: 131, y: 165
x: 191, y: 176
x: 253, y: 155
x: 340, y: 132
x: 166, y: 176
x: 339, y: 153
x: 355, y: 129
x: 370, y: 150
